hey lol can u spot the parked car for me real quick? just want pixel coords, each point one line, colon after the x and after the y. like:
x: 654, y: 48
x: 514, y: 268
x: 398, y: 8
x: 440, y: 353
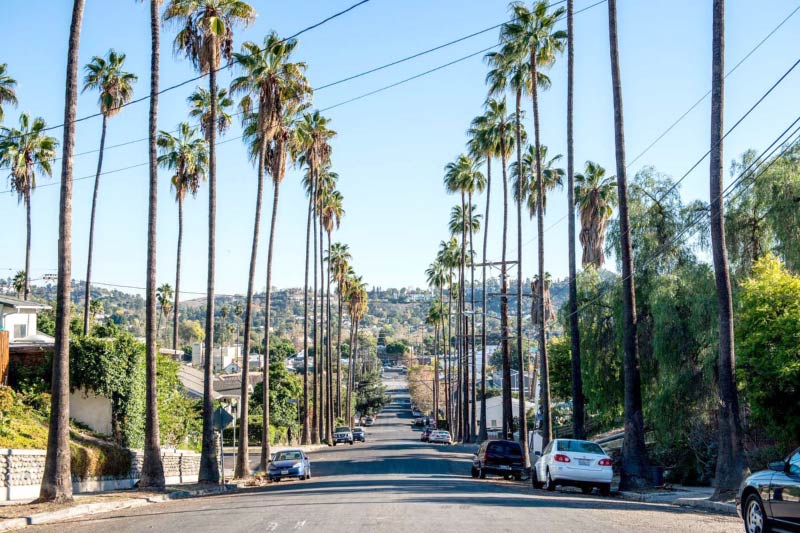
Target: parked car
x: 419, y: 421
x: 416, y: 413
x: 359, y: 434
x: 426, y: 434
x: 574, y: 463
x: 771, y: 497
x: 440, y: 437
x: 499, y: 457
x: 369, y: 421
x: 289, y: 464
x: 343, y: 435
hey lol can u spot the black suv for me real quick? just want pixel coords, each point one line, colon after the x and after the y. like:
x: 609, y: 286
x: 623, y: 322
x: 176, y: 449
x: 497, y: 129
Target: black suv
x: 499, y: 457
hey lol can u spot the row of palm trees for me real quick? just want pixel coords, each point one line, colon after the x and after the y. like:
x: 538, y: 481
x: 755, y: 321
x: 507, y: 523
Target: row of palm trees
x: 529, y: 46
x: 279, y: 128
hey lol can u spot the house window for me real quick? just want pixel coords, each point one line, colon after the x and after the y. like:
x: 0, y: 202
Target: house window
x: 20, y: 331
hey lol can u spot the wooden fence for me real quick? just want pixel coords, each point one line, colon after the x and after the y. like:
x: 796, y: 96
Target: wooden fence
x: 3, y: 357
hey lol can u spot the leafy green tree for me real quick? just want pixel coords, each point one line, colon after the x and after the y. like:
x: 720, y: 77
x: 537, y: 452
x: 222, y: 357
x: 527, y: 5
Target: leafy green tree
x: 768, y: 337
x: 191, y: 331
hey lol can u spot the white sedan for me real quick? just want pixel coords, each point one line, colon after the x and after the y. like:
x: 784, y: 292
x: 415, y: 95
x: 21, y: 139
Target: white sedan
x: 575, y: 463
x: 440, y: 437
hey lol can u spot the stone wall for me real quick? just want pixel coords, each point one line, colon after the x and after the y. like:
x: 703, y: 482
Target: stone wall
x: 21, y: 473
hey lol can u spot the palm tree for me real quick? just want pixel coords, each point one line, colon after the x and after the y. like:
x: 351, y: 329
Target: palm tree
x: 19, y: 283
x: 25, y: 151
x: 339, y: 259
x: 331, y: 213
x: 56, y: 478
x: 449, y: 256
x: 8, y: 93
x: 115, y: 87
x: 578, y: 428
x: 313, y: 137
x: 186, y: 155
x: 634, y: 455
x: 152, y: 476
x: 164, y: 296
x: 531, y: 37
x: 552, y: 178
x: 731, y: 462
x: 270, y: 81
x: 437, y: 279
x: 206, y: 38
x: 595, y: 196
x: 200, y: 109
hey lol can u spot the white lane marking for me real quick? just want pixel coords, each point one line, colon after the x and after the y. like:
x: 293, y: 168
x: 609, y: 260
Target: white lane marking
x: 300, y: 525
x: 272, y: 526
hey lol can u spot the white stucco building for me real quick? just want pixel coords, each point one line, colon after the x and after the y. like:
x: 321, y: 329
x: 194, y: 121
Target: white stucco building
x: 18, y: 317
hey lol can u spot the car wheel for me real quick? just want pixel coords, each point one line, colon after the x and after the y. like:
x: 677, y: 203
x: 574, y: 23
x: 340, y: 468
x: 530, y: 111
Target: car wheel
x: 549, y: 486
x: 535, y: 479
x: 605, y: 489
x: 587, y: 489
x: 481, y: 473
x: 351, y: 443
x: 474, y: 473
x: 507, y: 477
x: 517, y: 477
x: 334, y: 443
x: 755, y: 518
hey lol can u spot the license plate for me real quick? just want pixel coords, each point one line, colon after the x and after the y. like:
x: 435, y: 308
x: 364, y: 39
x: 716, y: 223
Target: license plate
x: 284, y: 472
x: 584, y: 462
x: 505, y: 467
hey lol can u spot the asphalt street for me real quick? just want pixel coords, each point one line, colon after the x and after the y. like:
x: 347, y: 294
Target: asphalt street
x: 395, y: 483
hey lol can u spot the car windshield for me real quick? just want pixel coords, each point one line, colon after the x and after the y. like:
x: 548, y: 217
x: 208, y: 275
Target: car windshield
x: 358, y: 430
x: 580, y: 446
x: 294, y: 455
x: 505, y: 448
x: 343, y: 429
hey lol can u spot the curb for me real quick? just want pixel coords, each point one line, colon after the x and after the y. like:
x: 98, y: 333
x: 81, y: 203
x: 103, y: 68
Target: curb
x: 708, y: 505
x: 681, y: 501
x: 105, y: 507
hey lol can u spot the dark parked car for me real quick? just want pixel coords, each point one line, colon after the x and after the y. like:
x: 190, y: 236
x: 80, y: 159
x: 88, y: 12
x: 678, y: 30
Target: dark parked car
x: 426, y: 434
x: 359, y: 434
x: 499, y: 457
x: 771, y: 497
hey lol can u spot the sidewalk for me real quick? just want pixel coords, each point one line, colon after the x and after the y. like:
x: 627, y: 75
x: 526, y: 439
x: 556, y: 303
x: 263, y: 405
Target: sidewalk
x: 694, y: 497
x: 18, y: 516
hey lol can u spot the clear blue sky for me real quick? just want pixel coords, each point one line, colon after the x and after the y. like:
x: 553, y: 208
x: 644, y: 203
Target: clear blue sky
x: 392, y: 146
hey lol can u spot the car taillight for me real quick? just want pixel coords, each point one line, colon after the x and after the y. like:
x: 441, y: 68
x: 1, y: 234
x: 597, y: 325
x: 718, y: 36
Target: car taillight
x: 605, y: 462
x: 561, y: 458
x: 485, y: 456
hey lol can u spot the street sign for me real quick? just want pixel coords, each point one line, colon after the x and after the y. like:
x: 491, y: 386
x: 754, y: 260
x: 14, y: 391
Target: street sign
x: 222, y: 419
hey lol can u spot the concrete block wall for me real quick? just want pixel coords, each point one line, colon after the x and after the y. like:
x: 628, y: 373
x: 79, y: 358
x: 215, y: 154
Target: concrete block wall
x: 21, y: 473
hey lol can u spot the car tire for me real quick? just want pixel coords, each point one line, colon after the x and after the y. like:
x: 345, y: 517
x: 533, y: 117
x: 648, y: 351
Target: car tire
x: 334, y: 443
x: 517, y: 477
x: 507, y: 477
x: 755, y: 516
x: 549, y: 485
x: 481, y: 473
x: 474, y: 473
x: 605, y: 489
x: 351, y: 443
x: 535, y: 479
x: 587, y: 489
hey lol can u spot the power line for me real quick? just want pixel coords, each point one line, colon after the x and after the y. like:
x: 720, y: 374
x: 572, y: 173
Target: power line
x: 227, y: 65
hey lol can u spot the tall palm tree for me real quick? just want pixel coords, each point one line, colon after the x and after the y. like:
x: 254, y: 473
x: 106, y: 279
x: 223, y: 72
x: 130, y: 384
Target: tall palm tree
x: 186, y: 155
x: 277, y: 86
x: 8, y: 92
x: 531, y: 35
x: 437, y: 279
x: 595, y: 196
x: 449, y: 256
x: 578, y: 427
x: 25, y: 151
x: 339, y: 259
x: 206, y: 38
x: 313, y: 138
x: 331, y: 212
x: 634, y: 455
x: 56, y: 478
x: 552, y: 178
x: 105, y: 74
x: 731, y: 462
x: 19, y: 283
x: 200, y: 109
x: 152, y: 476
x: 164, y: 295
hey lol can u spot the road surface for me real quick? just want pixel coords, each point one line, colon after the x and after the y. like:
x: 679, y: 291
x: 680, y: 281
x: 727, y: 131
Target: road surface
x: 395, y: 483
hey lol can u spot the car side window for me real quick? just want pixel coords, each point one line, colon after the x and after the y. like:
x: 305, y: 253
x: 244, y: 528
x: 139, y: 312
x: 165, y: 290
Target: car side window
x: 548, y: 448
x: 794, y: 464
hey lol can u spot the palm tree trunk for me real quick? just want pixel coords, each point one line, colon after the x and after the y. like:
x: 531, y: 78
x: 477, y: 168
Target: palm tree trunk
x: 152, y: 468
x: 56, y: 479
x: 544, y: 399
x: 87, y: 294
x: 209, y: 466
x: 306, y: 428
x: 323, y: 373
x: 485, y: 315
x: 27, y: 290
x: 463, y: 427
x: 265, y: 441
x: 578, y: 430
x: 339, y: 356
x: 731, y: 463
x: 351, y: 369
x: 316, y: 422
x: 177, y: 276
x: 242, y: 468
x: 328, y: 345
x: 448, y: 360
x: 473, y: 418
x: 508, y: 422
x: 634, y: 457
x: 523, y: 426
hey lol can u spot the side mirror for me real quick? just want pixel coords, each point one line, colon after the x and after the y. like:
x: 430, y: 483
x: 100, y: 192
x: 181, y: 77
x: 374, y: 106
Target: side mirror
x: 537, y: 454
x: 777, y: 466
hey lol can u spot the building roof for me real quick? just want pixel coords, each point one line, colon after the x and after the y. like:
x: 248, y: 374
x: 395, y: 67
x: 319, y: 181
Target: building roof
x: 20, y: 305
x: 192, y: 380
